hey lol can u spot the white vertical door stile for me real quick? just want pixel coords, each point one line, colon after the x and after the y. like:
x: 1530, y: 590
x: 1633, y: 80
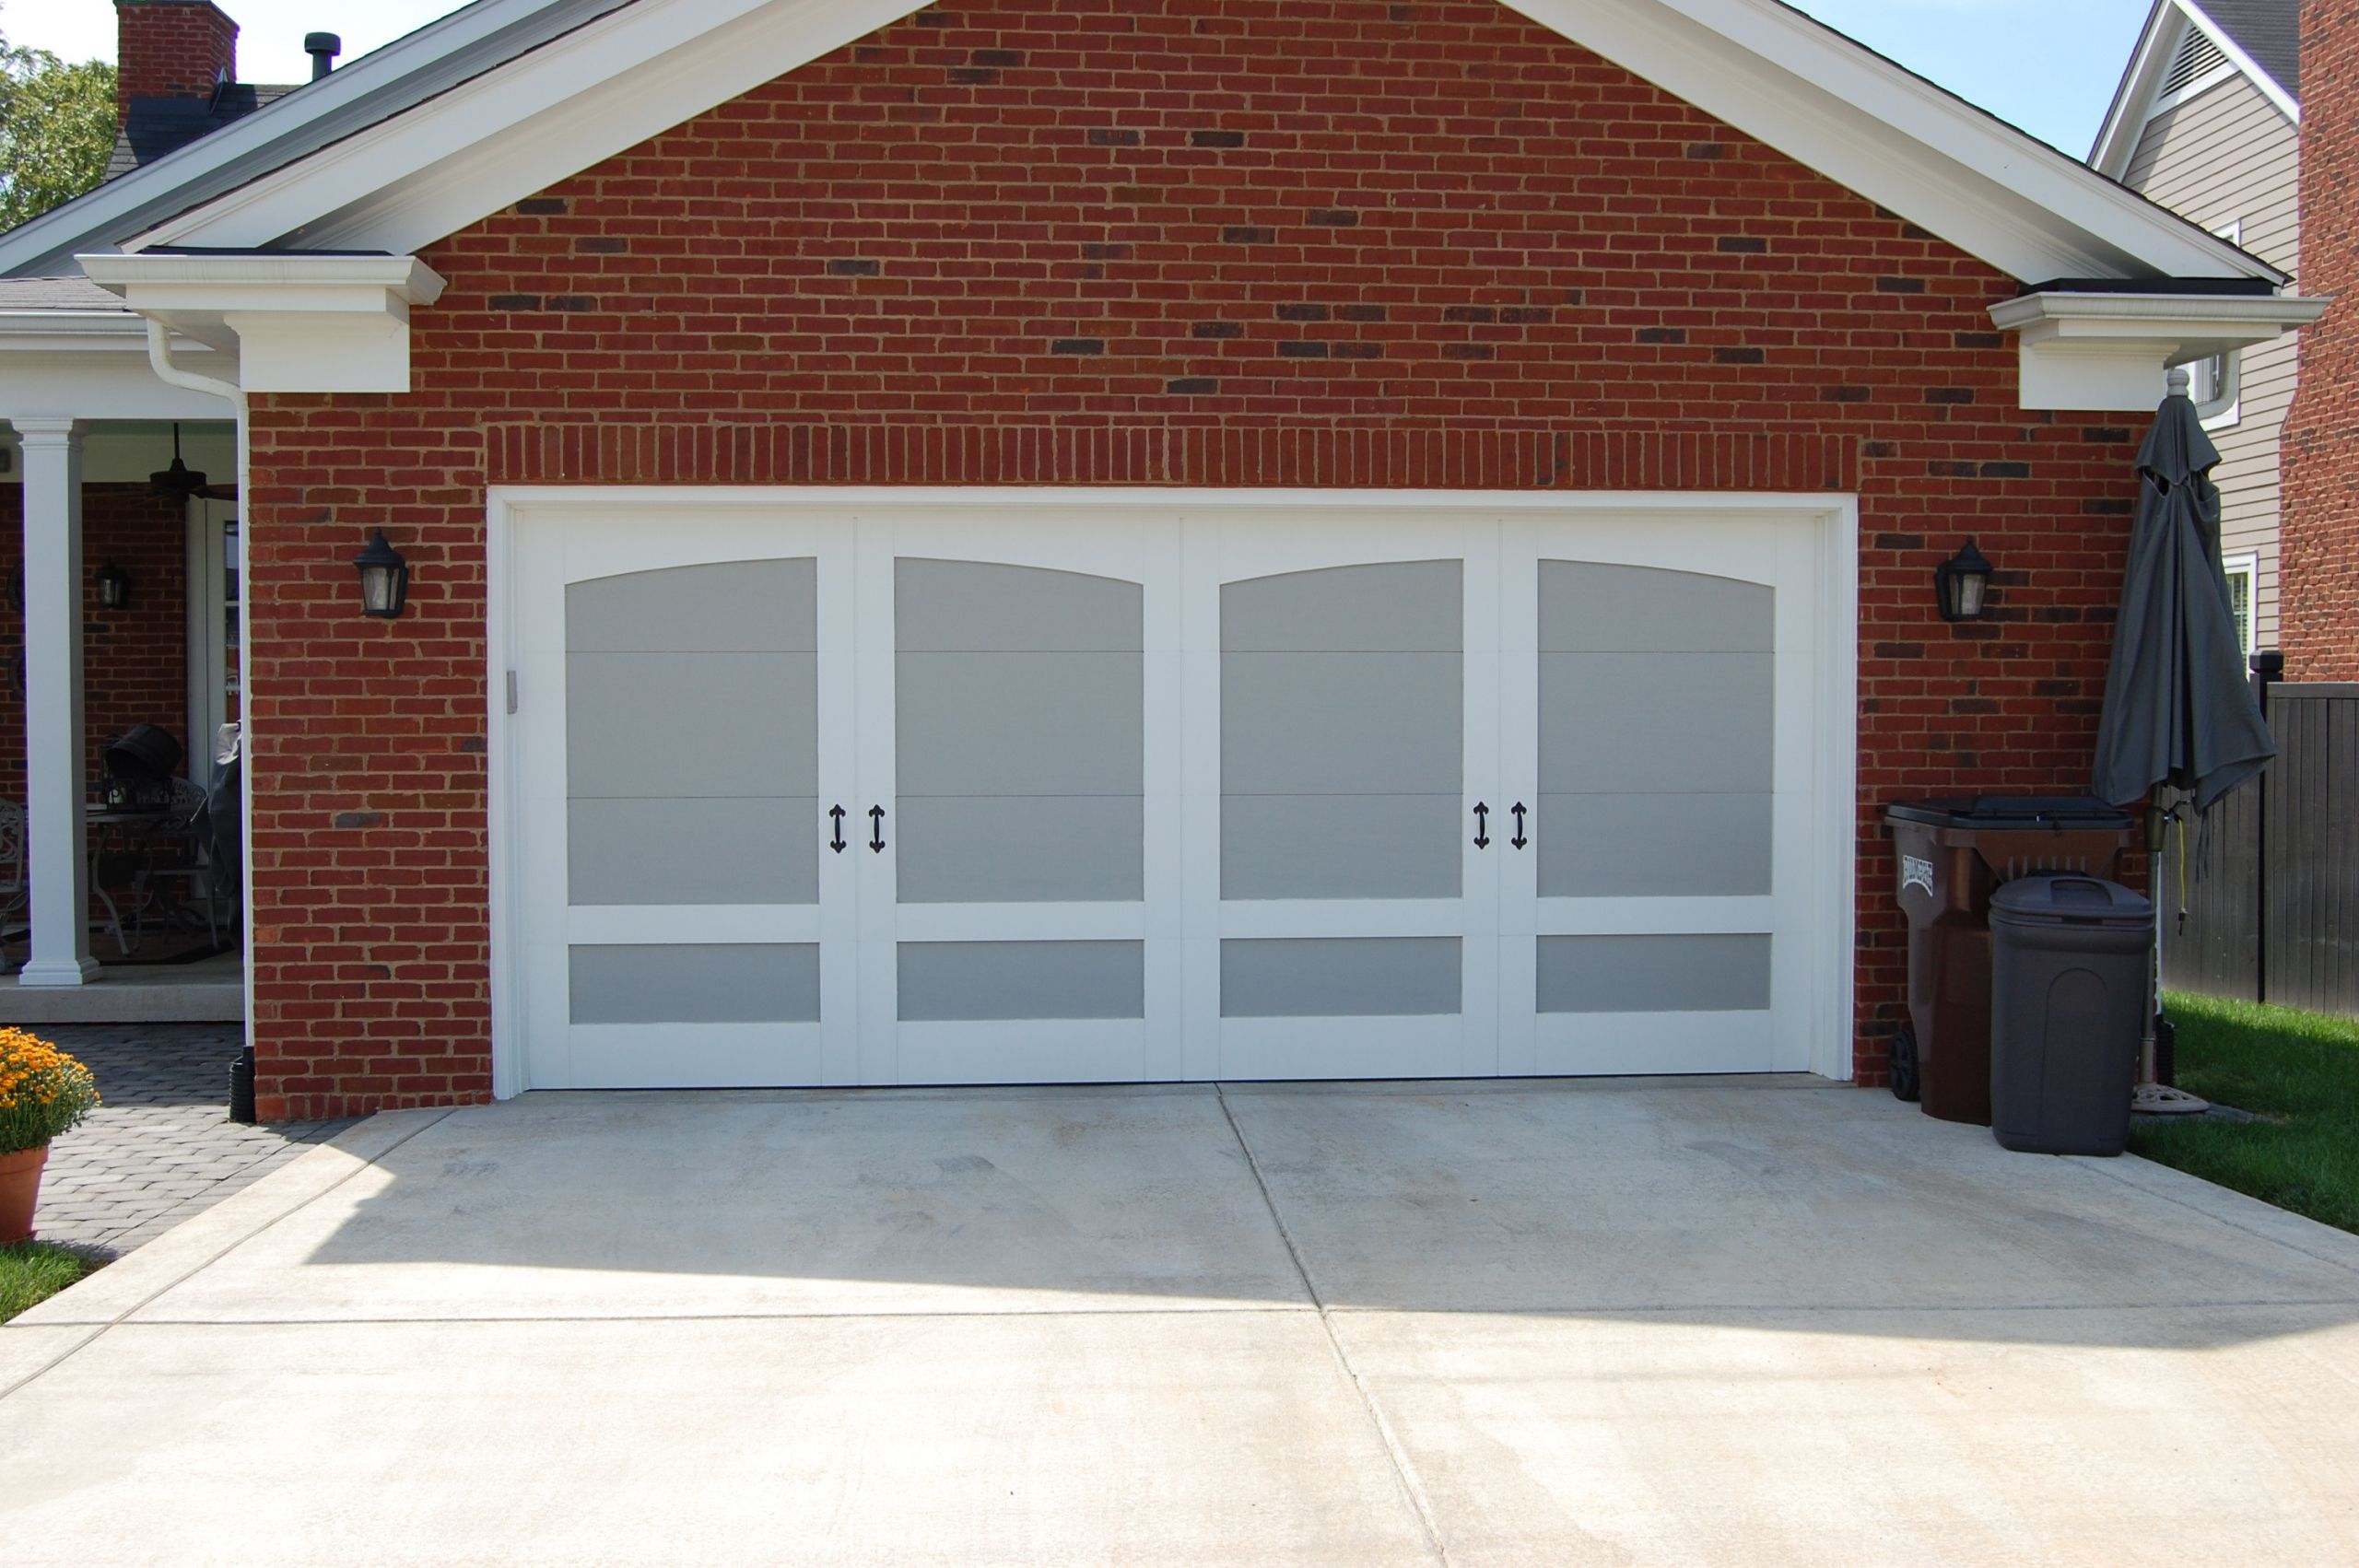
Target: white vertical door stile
x: 1343, y: 726
x: 1019, y: 732
x: 685, y: 718
x: 1658, y: 682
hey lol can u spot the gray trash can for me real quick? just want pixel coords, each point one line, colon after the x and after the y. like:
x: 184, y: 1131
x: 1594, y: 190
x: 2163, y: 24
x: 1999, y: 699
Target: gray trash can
x: 2068, y: 1010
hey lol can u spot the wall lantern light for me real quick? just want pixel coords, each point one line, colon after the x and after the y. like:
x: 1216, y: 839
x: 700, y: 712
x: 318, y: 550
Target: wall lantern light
x: 114, y: 587
x: 1963, y: 583
x: 384, y: 578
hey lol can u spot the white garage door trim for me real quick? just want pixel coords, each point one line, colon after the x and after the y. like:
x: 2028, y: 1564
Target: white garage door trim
x: 1815, y: 1028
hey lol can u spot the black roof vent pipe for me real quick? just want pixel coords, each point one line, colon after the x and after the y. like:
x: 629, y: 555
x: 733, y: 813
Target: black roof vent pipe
x: 322, y: 47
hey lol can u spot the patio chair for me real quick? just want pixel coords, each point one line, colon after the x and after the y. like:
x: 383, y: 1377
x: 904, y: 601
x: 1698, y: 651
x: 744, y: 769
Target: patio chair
x: 176, y: 874
x: 16, y: 888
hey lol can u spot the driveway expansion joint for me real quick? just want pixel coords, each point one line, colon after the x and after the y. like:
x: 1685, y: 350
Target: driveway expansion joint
x: 1403, y: 1470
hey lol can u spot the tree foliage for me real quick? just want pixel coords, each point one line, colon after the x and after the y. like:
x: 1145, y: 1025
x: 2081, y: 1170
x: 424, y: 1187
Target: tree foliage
x: 56, y: 130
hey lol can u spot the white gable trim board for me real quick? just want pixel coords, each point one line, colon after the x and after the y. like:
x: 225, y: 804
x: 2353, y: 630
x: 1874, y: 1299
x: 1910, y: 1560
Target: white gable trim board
x: 1167, y: 785
x: 313, y: 322
x: 1759, y: 65
x: 2147, y: 89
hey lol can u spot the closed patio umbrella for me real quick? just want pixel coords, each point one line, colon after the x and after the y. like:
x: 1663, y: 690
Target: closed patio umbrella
x: 2179, y: 710
x: 2178, y: 707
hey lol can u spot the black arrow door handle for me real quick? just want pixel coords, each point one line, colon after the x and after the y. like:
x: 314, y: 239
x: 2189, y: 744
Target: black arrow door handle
x: 877, y: 828
x: 1482, y: 826
x: 1519, y: 840
x: 836, y: 843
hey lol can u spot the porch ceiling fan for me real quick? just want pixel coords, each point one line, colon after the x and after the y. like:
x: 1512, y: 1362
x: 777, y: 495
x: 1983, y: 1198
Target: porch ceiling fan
x: 184, y: 482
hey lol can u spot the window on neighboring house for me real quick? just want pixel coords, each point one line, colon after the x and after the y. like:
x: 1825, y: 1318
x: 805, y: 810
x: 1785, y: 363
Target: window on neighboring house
x: 2244, y: 588
x: 2216, y: 385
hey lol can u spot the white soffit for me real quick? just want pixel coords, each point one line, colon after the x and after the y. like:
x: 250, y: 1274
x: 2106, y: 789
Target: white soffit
x: 2109, y: 352
x: 94, y: 365
x: 1768, y: 71
x: 295, y: 322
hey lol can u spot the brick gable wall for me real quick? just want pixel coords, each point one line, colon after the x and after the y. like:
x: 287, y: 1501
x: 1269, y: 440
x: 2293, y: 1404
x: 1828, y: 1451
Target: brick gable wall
x: 1219, y: 243
x: 2318, y: 596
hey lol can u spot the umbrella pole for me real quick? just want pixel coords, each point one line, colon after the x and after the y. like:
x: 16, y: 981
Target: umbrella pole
x: 2150, y: 1098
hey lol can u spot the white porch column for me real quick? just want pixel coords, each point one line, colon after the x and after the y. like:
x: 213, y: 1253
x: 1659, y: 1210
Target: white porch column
x: 54, y: 854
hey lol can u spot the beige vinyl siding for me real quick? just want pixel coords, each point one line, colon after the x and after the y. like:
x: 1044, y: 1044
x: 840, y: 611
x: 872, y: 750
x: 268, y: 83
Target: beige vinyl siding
x: 2228, y: 156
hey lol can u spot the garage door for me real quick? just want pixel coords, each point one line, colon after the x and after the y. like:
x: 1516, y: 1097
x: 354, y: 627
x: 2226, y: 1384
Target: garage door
x: 1088, y: 790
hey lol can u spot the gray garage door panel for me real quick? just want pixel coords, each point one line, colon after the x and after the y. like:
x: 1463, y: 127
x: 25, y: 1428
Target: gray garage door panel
x: 1339, y: 977
x: 1653, y: 974
x: 1022, y: 849
x: 1659, y: 845
x: 694, y: 983
x: 974, y: 981
x: 693, y: 850
x: 1343, y: 732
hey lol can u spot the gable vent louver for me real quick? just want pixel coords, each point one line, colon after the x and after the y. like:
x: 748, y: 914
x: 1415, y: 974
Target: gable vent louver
x: 2198, y: 57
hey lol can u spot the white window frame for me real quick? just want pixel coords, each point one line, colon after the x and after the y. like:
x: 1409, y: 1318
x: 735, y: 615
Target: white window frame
x: 2246, y: 566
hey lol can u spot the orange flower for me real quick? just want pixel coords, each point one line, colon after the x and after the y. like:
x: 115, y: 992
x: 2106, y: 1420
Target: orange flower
x: 42, y: 1091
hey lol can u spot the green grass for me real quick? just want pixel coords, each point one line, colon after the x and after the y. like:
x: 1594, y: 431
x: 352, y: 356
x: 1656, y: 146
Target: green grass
x: 32, y: 1272
x: 2300, y: 1069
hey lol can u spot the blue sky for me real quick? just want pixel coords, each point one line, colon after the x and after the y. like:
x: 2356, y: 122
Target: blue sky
x: 2048, y: 65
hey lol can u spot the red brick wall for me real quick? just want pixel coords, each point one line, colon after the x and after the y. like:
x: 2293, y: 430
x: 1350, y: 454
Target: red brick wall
x: 2318, y: 593
x: 1187, y: 242
x: 135, y: 666
x: 171, y: 49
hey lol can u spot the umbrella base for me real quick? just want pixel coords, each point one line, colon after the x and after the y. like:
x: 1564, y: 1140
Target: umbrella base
x: 2154, y: 1099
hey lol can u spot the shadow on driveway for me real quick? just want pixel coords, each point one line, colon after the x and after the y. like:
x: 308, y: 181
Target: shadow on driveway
x: 1738, y: 1202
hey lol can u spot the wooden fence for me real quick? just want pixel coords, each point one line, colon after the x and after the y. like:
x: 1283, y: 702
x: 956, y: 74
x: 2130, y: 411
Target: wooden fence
x: 2269, y: 882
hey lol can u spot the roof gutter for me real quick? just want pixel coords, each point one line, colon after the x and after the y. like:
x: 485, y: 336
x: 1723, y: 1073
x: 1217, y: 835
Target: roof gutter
x: 296, y: 321
x: 2109, y: 351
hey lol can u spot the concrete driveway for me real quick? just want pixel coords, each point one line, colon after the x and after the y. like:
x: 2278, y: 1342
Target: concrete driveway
x: 1726, y: 1323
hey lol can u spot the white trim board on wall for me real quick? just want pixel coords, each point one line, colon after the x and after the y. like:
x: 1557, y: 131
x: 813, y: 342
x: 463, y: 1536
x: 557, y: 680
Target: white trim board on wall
x: 1830, y: 856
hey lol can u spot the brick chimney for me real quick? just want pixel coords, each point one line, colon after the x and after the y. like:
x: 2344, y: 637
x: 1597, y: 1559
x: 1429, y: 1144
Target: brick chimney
x: 171, y: 49
x: 2318, y: 588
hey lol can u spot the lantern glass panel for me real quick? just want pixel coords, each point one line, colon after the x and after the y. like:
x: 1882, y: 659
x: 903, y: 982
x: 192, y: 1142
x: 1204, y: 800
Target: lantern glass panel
x: 378, y: 586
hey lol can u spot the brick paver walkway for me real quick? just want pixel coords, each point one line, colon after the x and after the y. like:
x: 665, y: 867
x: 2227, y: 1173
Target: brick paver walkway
x: 162, y: 1147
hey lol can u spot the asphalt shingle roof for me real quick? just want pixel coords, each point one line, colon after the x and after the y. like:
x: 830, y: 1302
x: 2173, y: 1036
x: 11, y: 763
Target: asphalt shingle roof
x: 2269, y: 31
x: 160, y: 126
x: 76, y: 293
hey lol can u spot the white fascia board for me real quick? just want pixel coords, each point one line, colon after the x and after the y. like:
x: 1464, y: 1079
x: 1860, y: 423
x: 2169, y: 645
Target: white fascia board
x: 1994, y: 192
x: 413, y: 64
x: 596, y: 92
x: 2268, y: 85
x: 295, y: 322
x: 2126, y: 119
x: 2109, y: 352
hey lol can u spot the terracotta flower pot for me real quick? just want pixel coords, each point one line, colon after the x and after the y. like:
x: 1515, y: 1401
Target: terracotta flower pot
x: 20, y: 1189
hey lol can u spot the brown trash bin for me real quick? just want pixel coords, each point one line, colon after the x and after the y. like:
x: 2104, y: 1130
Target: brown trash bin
x: 1949, y: 855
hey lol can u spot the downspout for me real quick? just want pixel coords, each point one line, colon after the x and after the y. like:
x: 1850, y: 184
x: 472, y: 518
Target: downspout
x: 159, y: 358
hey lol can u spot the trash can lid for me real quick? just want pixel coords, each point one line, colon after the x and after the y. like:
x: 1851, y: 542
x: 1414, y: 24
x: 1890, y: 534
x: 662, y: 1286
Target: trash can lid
x: 2013, y: 810
x: 2071, y: 900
